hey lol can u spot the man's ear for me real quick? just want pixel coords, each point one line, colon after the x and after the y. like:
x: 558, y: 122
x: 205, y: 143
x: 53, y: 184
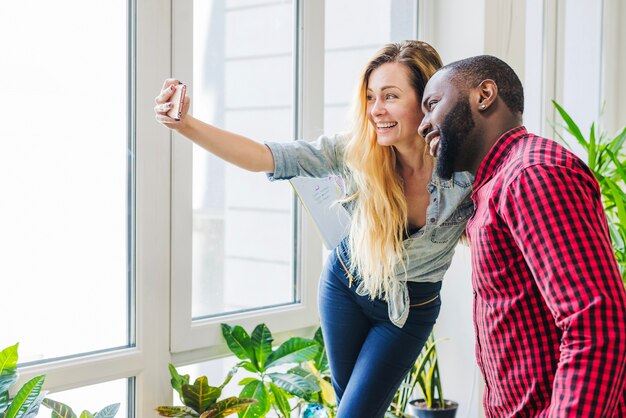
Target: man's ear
x: 487, y: 91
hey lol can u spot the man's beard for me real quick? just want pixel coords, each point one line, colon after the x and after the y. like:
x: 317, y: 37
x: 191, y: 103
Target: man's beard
x: 455, y: 129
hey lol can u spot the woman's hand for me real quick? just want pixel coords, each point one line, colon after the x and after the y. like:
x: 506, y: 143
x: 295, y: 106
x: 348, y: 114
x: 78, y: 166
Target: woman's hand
x: 163, y: 105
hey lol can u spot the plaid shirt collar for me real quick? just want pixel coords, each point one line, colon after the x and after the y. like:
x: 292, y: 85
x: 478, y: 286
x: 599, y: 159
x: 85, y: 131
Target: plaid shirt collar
x: 497, y: 155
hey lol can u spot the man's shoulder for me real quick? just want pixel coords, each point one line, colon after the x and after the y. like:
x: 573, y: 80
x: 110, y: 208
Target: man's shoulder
x: 534, y: 150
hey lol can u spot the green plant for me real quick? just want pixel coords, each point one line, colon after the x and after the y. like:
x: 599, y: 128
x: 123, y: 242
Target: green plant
x: 271, y: 389
x: 425, y: 374
x: 607, y: 160
x: 200, y: 399
x: 30, y: 397
x: 61, y: 410
x: 319, y: 368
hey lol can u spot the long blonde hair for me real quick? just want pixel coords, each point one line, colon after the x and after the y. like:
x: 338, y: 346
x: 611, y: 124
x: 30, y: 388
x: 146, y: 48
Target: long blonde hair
x: 379, y: 224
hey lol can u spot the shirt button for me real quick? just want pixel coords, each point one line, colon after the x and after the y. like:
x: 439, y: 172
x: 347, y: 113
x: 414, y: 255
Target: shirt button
x: 432, y: 220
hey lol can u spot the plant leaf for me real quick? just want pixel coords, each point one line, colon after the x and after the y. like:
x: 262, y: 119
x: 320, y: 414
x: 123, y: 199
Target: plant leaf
x: 238, y: 342
x: 86, y: 414
x: 246, y: 380
x: 200, y: 396
x: 33, y: 410
x: 572, y: 128
x: 228, y: 406
x: 8, y: 360
x: 176, y: 411
x: 328, y: 392
x: 262, y: 345
x: 4, y: 402
x: 26, y: 396
x: 294, y: 384
x: 280, y: 400
x: 321, y: 359
x: 249, y: 367
x: 7, y: 381
x: 108, y: 411
x: 178, y: 381
x: 294, y: 350
x: 255, y: 390
x: 58, y: 408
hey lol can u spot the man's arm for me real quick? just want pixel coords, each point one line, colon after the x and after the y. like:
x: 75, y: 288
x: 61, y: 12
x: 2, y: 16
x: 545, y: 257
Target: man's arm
x: 556, y: 217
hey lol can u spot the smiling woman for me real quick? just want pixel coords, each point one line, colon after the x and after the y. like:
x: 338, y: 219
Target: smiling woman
x: 391, y: 195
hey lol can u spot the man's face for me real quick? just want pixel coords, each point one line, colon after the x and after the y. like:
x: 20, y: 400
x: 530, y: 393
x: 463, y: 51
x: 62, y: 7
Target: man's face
x: 447, y: 124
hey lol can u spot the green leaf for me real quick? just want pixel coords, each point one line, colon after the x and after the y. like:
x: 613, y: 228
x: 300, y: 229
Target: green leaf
x: 294, y: 384
x: 86, y: 414
x: 4, y: 401
x: 177, y: 380
x: 592, y: 150
x: 7, y: 381
x: 59, y: 409
x: 571, y: 126
x: 27, y: 395
x: 176, y: 411
x: 108, y: 411
x: 8, y: 360
x: 238, y: 342
x: 200, y: 396
x: 246, y: 380
x: 228, y: 407
x: 617, y: 143
x: 33, y: 409
x: 321, y: 359
x: 294, y: 350
x: 258, y: 391
x: 262, y: 345
x: 280, y: 400
x: 249, y: 367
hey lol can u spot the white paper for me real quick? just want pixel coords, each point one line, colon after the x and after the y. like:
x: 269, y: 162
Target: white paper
x: 319, y: 197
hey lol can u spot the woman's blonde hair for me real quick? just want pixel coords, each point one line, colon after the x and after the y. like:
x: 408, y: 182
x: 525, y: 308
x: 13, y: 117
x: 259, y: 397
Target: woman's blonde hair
x: 379, y: 224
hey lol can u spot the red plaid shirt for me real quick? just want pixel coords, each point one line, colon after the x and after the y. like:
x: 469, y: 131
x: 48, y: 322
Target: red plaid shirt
x: 549, y: 303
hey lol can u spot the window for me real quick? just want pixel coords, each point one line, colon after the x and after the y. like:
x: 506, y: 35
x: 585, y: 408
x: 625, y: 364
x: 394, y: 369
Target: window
x: 65, y: 155
x: 237, y: 237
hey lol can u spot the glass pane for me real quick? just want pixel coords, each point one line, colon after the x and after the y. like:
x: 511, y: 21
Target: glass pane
x: 243, y: 255
x: 350, y: 43
x: 93, y: 398
x: 63, y: 175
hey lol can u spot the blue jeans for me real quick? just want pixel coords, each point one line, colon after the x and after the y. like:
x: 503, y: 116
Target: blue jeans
x: 368, y: 355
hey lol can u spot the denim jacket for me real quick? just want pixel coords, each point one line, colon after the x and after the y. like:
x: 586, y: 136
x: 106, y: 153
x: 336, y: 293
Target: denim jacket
x: 428, y: 252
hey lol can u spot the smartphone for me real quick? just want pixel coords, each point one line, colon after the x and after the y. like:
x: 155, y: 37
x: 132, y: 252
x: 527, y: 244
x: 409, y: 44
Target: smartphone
x: 177, y: 100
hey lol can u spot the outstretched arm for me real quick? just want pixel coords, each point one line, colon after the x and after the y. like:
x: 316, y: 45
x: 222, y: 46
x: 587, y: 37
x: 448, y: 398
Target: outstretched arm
x: 236, y: 149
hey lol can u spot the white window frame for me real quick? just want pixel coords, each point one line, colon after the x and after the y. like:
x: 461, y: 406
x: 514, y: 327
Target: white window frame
x: 147, y: 360
x: 204, y: 336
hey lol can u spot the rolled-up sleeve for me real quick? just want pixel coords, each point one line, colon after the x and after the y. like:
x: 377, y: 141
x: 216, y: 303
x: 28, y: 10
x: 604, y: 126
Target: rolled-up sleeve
x: 320, y: 158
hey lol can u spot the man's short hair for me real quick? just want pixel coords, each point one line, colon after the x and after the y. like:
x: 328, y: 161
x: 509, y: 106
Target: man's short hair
x: 470, y: 72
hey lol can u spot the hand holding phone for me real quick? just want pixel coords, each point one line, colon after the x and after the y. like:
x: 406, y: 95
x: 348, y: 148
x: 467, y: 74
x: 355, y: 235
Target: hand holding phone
x: 177, y: 99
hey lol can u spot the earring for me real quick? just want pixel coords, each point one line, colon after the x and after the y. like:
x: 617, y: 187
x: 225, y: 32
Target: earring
x: 482, y: 107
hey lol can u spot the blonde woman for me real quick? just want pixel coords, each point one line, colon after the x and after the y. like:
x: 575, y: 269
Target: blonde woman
x: 379, y: 292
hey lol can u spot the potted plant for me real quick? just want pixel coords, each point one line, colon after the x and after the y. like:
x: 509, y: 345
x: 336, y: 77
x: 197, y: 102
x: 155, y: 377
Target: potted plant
x: 200, y: 399
x: 30, y: 397
x: 425, y: 374
x: 270, y: 388
x: 607, y: 160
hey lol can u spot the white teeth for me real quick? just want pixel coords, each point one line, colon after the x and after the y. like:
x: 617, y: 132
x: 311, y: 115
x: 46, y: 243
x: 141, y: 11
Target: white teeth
x: 386, y: 125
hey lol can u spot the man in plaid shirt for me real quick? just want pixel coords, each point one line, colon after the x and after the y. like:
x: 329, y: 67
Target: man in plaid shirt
x: 549, y: 302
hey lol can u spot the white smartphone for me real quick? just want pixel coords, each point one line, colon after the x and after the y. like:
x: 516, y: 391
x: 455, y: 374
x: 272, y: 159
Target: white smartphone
x: 177, y: 100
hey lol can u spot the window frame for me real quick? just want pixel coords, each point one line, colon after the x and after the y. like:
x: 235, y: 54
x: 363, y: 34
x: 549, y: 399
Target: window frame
x: 204, y: 335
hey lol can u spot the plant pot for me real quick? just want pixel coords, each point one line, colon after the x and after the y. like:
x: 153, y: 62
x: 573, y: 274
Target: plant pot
x: 418, y: 408
x: 314, y: 410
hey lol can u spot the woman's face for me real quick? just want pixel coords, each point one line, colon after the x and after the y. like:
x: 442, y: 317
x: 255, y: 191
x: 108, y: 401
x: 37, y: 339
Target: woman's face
x: 392, y: 105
